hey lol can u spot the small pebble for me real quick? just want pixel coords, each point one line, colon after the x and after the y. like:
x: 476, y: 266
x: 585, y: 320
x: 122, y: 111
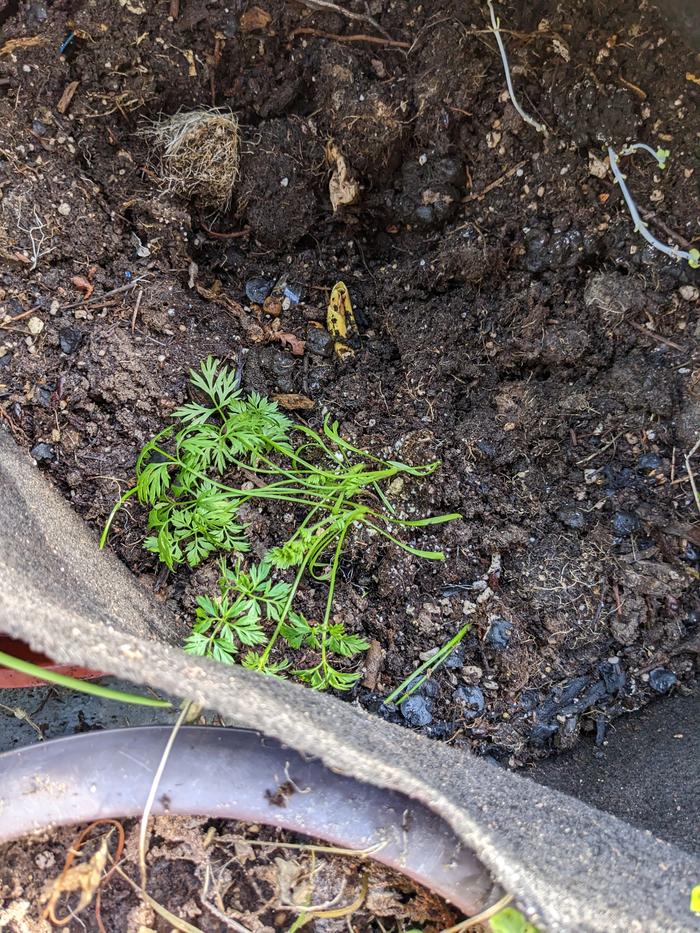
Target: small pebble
x: 43, y: 452
x: 661, y: 680
x: 35, y: 325
x: 689, y: 292
x: 572, y: 518
x: 258, y: 289
x: 70, y: 339
x: 649, y: 463
x: 625, y: 524
x: 63, y: 209
x: 319, y: 341
x: 416, y: 711
x: 472, y: 698
x: 499, y: 632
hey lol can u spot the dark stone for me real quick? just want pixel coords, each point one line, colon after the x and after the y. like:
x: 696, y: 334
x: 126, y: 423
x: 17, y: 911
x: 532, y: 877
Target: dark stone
x: 42, y: 396
x: 625, y: 524
x: 43, y: 452
x: 661, y: 680
x: 5, y: 360
x: 280, y: 366
x: 416, y: 711
x: 441, y: 730
x: 430, y: 688
x: 572, y: 518
x: 472, y: 698
x: 542, y: 733
x: 600, y: 730
x: 613, y: 676
x: 319, y: 341
x: 649, y: 463
x: 693, y: 618
x: 456, y: 658
x: 41, y: 129
x: 70, y: 339
x: 499, y: 632
x: 258, y: 289
x: 691, y: 554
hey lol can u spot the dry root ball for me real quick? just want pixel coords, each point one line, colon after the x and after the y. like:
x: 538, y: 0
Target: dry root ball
x: 282, y: 173
x: 199, y: 153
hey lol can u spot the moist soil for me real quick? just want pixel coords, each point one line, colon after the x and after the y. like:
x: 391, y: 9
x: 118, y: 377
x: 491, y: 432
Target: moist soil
x: 213, y: 874
x: 512, y: 322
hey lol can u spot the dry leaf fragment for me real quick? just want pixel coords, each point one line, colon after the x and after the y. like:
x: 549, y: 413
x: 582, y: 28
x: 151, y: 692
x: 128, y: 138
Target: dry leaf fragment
x: 255, y: 18
x: 293, y: 402
x: 67, y: 96
x: 83, y: 285
x: 343, y: 188
x: 340, y: 321
x: 689, y: 76
x: 290, y: 341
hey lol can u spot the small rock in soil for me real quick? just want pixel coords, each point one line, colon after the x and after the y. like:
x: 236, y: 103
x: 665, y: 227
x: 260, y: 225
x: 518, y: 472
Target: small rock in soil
x: 499, y: 631
x: 542, y: 733
x: 572, y: 518
x: 70, y: 339
x: 661, y: 680
x: 625, y: 524
x: 42, y: 396
x: 613, y: 675
x: 649, y: 463
x: 5, y: 360
x: 473, y: 700
x: 257, y: 290
x: 319, y: 341
x: 43, y: 452
x: 416, y: 711
x: 455, y: 659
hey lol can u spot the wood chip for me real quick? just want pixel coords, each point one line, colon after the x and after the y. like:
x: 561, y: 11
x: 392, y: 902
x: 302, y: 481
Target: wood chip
x: 22, y: 43
x: 374, y: 661
x: 67, y: 96
x: 293, y: 401
x: 255, y: 18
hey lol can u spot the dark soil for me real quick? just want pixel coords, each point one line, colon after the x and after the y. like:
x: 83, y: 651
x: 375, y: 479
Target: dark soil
x: 513, y: 323
x: 211, y: 874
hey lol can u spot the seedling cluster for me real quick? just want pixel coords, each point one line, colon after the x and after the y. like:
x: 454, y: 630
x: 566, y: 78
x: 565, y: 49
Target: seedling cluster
x: 185, y: 474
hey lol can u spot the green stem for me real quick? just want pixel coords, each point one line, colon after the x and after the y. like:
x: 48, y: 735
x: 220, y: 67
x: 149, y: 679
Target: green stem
x: 418, y: 677
x: 62, y: 680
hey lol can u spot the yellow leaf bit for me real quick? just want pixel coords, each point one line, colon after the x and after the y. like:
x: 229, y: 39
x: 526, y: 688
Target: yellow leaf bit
x: 341, y: 322
x: 695, y: 899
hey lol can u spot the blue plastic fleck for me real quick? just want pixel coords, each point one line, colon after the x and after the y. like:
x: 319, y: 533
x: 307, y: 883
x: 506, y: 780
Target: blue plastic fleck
x: 66, y: 42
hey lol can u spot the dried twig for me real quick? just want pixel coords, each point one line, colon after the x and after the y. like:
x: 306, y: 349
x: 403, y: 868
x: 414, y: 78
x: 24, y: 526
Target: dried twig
x: 495, y: 184
x: 322, y: 5
x: 374, y: 40
x: 106, y: 295
x: 691, y: 475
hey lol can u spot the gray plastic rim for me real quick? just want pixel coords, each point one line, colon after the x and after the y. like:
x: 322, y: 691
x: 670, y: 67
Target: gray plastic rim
x: 235, y: 774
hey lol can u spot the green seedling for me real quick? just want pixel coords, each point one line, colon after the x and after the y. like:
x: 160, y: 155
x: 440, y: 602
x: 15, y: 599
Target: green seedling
x: 425, y: 670
x: 691, y: 256
x: 81, y: 686
x: 186, y: 473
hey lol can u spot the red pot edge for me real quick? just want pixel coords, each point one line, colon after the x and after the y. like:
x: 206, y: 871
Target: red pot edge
x: 11, y: 680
